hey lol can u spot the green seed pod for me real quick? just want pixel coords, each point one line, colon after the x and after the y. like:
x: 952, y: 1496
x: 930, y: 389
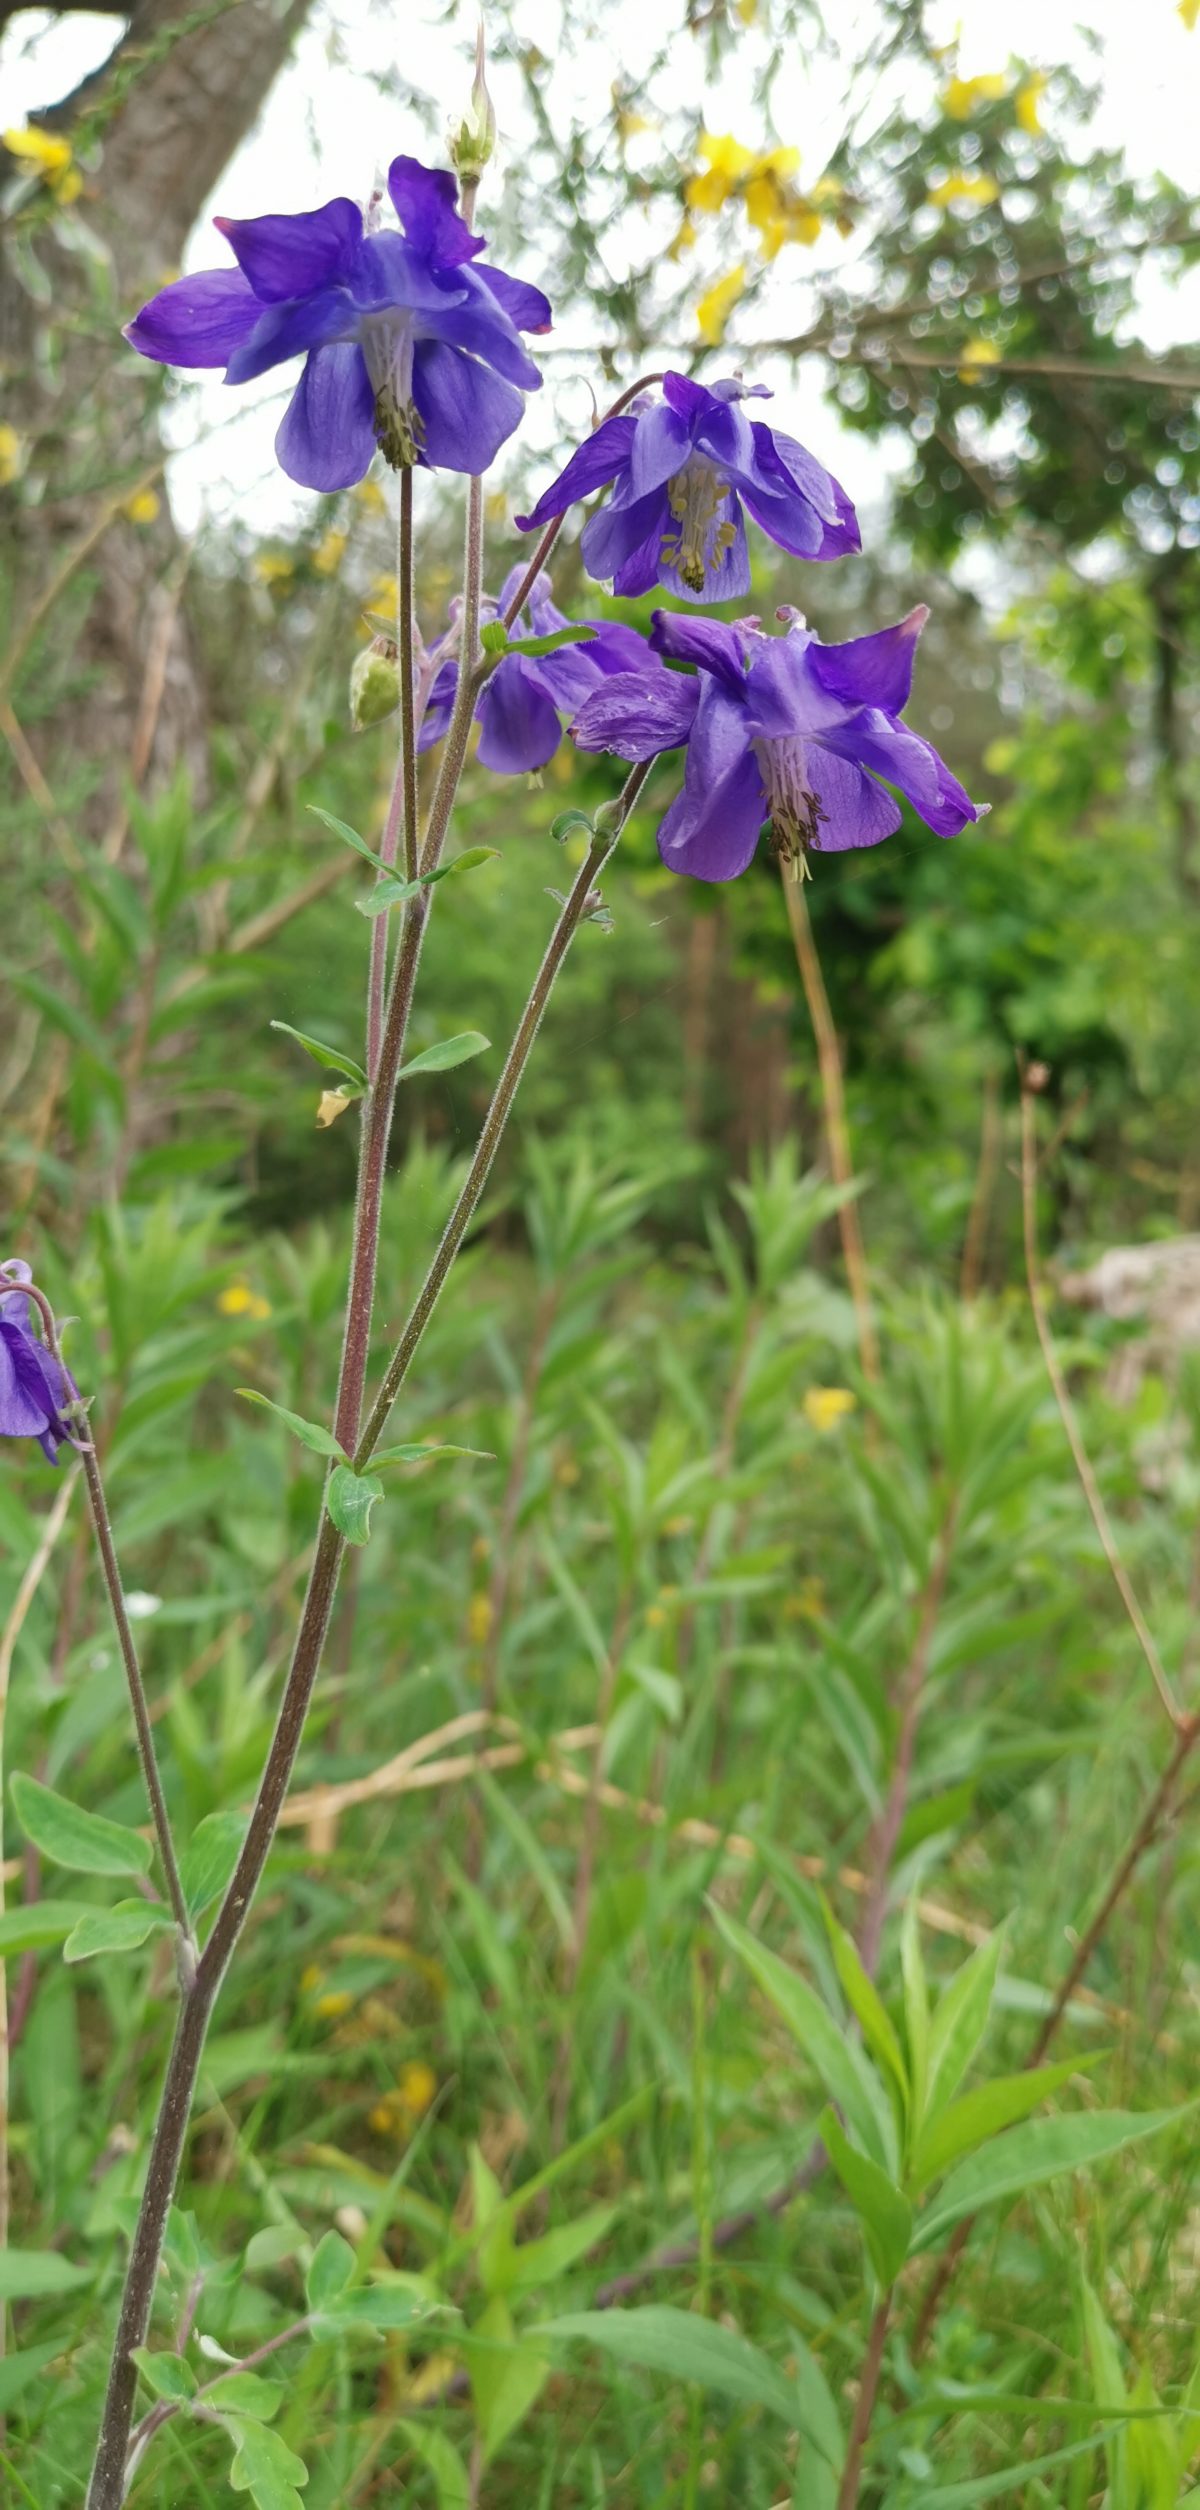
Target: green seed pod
x: 374, y: 684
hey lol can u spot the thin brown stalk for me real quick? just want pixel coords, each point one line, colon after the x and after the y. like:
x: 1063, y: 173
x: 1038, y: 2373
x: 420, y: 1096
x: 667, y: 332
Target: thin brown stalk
x: 1088, y: 1483
x: 909, y: 1699
x: 864, y: 2406
x: 837, y: 1131
x: 979, y: 1218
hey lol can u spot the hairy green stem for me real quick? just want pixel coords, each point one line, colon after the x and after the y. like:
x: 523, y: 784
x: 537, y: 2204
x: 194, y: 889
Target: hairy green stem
x: 402, y: 803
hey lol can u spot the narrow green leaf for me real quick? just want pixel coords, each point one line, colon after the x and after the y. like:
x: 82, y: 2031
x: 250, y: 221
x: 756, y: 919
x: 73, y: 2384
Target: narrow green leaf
x: 916, y: 2015
x: 539, y: 2262
x: 882, y: 2209
x: 350, y: 1499
x: 568, y: 824
x: 33, y: 2274
x: 323, y: 1054
x: 310, y: 1433
x: 389, y: 893
x: 1031, y: 2154
x: 444, y: 1057
x: 348, y: 835
x: 984, y: 2112
x: 450, y: 2478
x: 550, y: 643
x: 427, y: 1455
x: 121, y: 1929
x: 331, y: 2271
x: 380, y: 2305
x: 683, y: 2346
x: 843, y: 2069
x: 166, y: 2374
x: 209, y: 1858
x: 865, y: 2001
x: 1011, y: 2481
x: 507, y: 2375
x: 87, y: 1842
x: 960, y: 2019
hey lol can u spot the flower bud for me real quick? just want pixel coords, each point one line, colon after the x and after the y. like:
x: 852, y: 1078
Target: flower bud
x: 374, y: 684
x: 473, y: 143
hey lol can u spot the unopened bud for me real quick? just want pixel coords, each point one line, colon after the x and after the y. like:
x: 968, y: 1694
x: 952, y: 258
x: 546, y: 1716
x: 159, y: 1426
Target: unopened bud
x: 473, y: 143
x: 609, y: 820
x: 374, y: 684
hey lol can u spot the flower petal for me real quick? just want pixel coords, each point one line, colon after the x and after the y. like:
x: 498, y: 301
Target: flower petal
x: 425, y: 204
x: 524, y: 306
x: 23, y: 1412
x: 439, y: 704
x: 711, y: 828
x: 198, y: 321
x: 624, y: 540
x: 638, y: 713
x: 518, y: 723
x: 292, y: 256
x: 326, y: 436
x: 856, y: 811
x: 592, y: 465
x: 873, y: 739
x: 478, y: 322
x: 709, y: 643
x: 466, y: 411
x: 661, y: 445
x: 872, y: 670
x: 690, y: 400
x: 284, y: 331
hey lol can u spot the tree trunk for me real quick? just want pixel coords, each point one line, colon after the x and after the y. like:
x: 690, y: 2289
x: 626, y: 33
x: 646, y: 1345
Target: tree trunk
x: 112, y: 677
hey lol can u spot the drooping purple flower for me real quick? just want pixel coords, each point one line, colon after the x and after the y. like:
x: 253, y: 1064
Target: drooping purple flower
x: 409, y: 340
x: 684, y: 467
x: 34, y: 1388
x: 520, y: 703
x: 778, y: 728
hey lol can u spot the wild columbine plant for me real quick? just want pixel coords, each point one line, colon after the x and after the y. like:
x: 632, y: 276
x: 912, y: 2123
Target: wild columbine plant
x: 412, y: 347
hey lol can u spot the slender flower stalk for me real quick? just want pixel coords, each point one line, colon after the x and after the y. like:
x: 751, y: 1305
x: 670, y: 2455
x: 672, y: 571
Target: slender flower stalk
x: 128, y: 1646
x: 517, y: 602
x: 107, y: 2488
x: 402, y: 804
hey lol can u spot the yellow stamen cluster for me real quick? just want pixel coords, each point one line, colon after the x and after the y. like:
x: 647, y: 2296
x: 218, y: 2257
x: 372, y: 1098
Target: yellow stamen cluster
x: 696, y: 495
x: 399, y: 431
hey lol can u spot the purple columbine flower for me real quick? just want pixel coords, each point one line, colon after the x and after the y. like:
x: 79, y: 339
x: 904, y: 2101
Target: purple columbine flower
x: 34, y: 1388
x: 520, y: 703
x: 778, y: 728
x: 684, y: 467
x: 409, y: 341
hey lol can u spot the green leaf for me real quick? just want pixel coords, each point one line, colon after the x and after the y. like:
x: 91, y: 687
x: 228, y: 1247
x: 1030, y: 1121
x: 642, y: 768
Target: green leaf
x: 328, y: 1056
x: 493, y: 636
x: 984, y: 2112
x: 882, y: 2209
x: 208, y: 1860
x: 1011, y: 2481
x: 265, y: 2467
x: 1031, y: 2154
x: 567, y: 823
x: 539, y: 2262
x: 916, y: 2014
x: 960, y: 2019
x: 397, y: 2303
x: 389, y: 893
x: 32, y: 2274
x: 350, y: 1499
x: 34, y: 1929
x: 19, y: 2370
x: 120, y: 1929
x: 68, y: 1836
x: 243, y: 2392
x: 865, y: 2001
x: 444, y: 1057
x: 507, y: 2376
x: 551, y: 642
x: 348, y: 835
x: 331, y: 2271
x: 310, y: 1433
x: 683, y: 2346
x: 844, y: 2071
x: 444, y: 2463
x: 427, y: 1455
x: 166, y: 2374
